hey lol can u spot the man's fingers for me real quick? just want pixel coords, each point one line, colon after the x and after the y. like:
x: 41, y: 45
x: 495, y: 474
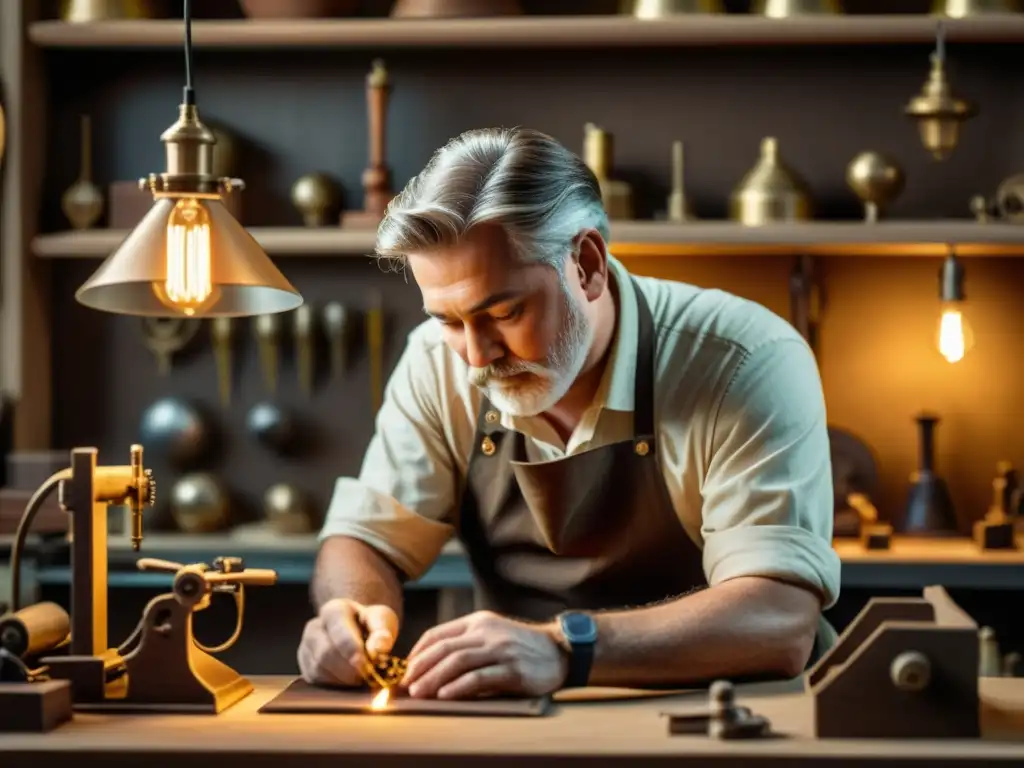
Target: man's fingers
x: 427, y: 660
x: 381, y: 625
x: 485, y: 681
x: 439, y: 633
x: 345, y: 632
x: 451, y: 668
x: 319, y: 661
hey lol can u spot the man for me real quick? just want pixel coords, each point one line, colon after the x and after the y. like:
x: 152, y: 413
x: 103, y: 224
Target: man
x: 638, y: 469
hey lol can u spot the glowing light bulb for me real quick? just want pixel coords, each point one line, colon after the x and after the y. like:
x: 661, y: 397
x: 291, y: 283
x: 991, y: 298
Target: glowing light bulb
x: 955, y: 336
x: 188, y: 287
x: 380, y: 701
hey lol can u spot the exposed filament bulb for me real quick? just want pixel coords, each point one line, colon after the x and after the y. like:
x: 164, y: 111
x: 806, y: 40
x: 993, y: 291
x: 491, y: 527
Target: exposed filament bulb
x: 188, y: 287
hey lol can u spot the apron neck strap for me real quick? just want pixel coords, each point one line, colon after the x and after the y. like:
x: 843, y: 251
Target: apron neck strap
x: 643, y: 380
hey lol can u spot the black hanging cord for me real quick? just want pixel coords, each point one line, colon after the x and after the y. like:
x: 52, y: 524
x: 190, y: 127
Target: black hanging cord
x: 189, y: 92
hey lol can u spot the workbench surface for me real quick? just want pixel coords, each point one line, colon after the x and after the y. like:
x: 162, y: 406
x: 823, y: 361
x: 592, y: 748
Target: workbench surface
x: 622, y: 732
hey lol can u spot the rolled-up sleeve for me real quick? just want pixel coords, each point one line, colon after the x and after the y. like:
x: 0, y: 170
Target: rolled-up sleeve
x: 767, y: 495
x: 401, y: 504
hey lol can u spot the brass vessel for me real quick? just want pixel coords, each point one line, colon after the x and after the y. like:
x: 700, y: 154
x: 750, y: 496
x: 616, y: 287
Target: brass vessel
x: 962, y: 9
x: 225, y: 152
x: 287, y: 510
x: 317, y: 198
x: 660, y: 9
x: 785, y: 9
x: 82, y: 202
x: 770, y: 192
x: 598, y: 154
x: 938, y: 113
x: 877, y: 180
x: 441, y: 9
x: 1009, y: 199
x: 87, y: 11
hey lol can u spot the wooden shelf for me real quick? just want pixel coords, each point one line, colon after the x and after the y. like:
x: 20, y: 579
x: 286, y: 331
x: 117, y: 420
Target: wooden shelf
x: 645, y: 238
x: 529, y: 32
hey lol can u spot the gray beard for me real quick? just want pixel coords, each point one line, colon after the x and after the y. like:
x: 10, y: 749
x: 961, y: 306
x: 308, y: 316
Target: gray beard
x: 550, y: 380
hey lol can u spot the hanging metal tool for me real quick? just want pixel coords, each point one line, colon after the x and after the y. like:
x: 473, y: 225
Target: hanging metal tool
x: 166, y: 336
x: 222, y: 332
x: 305, y: 341
x: 268, y: 332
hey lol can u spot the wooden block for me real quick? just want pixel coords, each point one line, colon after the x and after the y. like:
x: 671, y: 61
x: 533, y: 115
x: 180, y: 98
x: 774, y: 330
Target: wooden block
x: 995, y: 535
x: 876, y: 536
x: 128, y: 204
x: 34, y: 707
x: 359, y: 220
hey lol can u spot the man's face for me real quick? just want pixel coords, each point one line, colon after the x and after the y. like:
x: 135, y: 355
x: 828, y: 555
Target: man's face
x: 521, y: 328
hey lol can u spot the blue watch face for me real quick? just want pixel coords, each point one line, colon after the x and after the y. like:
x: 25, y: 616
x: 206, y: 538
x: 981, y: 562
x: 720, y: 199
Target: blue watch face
x: 579, y: 628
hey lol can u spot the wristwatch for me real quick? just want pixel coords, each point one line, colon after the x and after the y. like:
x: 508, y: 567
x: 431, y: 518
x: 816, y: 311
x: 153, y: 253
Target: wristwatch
x: 580, y: 633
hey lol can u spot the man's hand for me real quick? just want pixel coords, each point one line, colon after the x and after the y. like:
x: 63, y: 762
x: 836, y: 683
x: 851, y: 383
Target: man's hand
x: 332, y: 651
x: 484, y: 654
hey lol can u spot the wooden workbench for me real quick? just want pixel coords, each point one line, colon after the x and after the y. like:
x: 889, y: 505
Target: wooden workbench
x: 625, y: 732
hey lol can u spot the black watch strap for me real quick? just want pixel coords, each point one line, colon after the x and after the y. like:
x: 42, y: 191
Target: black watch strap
x: 581, y: 659
x: 580, y: 632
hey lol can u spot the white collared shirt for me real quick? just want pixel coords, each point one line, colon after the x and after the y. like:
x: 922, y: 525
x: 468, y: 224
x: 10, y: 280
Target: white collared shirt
x: 741, y: 429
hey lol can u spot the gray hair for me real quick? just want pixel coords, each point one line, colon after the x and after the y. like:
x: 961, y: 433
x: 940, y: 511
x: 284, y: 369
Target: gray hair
x: 541, y: 195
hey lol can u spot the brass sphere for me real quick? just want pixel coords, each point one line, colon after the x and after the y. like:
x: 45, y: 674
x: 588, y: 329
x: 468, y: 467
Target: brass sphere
x: 225, y: 153
x: 877, y: 180
x: 199, y: 503
x: 287, y: 509
x: 316, y: 196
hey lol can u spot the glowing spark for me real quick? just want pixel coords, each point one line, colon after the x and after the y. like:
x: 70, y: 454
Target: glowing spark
x: 380, y: 701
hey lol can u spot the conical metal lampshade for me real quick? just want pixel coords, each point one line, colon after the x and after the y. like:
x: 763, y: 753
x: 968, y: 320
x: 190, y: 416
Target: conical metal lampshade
x: 244, y: 279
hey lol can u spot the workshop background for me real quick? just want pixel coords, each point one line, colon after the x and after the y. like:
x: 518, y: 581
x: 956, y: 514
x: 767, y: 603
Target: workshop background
x: 246, y: 464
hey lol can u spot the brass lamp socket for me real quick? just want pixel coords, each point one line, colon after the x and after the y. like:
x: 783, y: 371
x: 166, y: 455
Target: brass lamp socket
x: 189, y: 148
x: 951, y: 279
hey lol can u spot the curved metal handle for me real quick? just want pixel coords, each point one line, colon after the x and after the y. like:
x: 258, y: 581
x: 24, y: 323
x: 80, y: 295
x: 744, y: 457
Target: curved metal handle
x: 156, y: 564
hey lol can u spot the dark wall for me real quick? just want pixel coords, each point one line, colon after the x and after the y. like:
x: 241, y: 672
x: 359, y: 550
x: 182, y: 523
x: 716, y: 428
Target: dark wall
x: 301, y: 111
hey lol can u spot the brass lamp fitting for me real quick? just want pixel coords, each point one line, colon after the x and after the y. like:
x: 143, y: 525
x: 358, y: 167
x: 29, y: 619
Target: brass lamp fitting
x: 189, y: 148
x: 937, y: 112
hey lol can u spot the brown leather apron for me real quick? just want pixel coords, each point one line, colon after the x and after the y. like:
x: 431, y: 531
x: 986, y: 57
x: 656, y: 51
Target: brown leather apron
x: 592, y: 531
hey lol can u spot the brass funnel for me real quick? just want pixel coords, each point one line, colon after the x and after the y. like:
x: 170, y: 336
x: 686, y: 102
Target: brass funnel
x: 770, y: 192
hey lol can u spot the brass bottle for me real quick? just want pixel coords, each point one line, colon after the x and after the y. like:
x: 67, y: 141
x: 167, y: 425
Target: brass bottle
x: 770, y: 192
x: 598, y: 151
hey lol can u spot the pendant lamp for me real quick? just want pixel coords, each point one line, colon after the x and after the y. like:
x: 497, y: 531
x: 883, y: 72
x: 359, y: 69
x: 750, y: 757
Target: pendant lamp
x: 189, y: 257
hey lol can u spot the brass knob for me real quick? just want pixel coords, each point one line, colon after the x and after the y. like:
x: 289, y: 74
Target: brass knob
x: 642, y: 448
x: 911, y: 671
x: 488, y: 447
